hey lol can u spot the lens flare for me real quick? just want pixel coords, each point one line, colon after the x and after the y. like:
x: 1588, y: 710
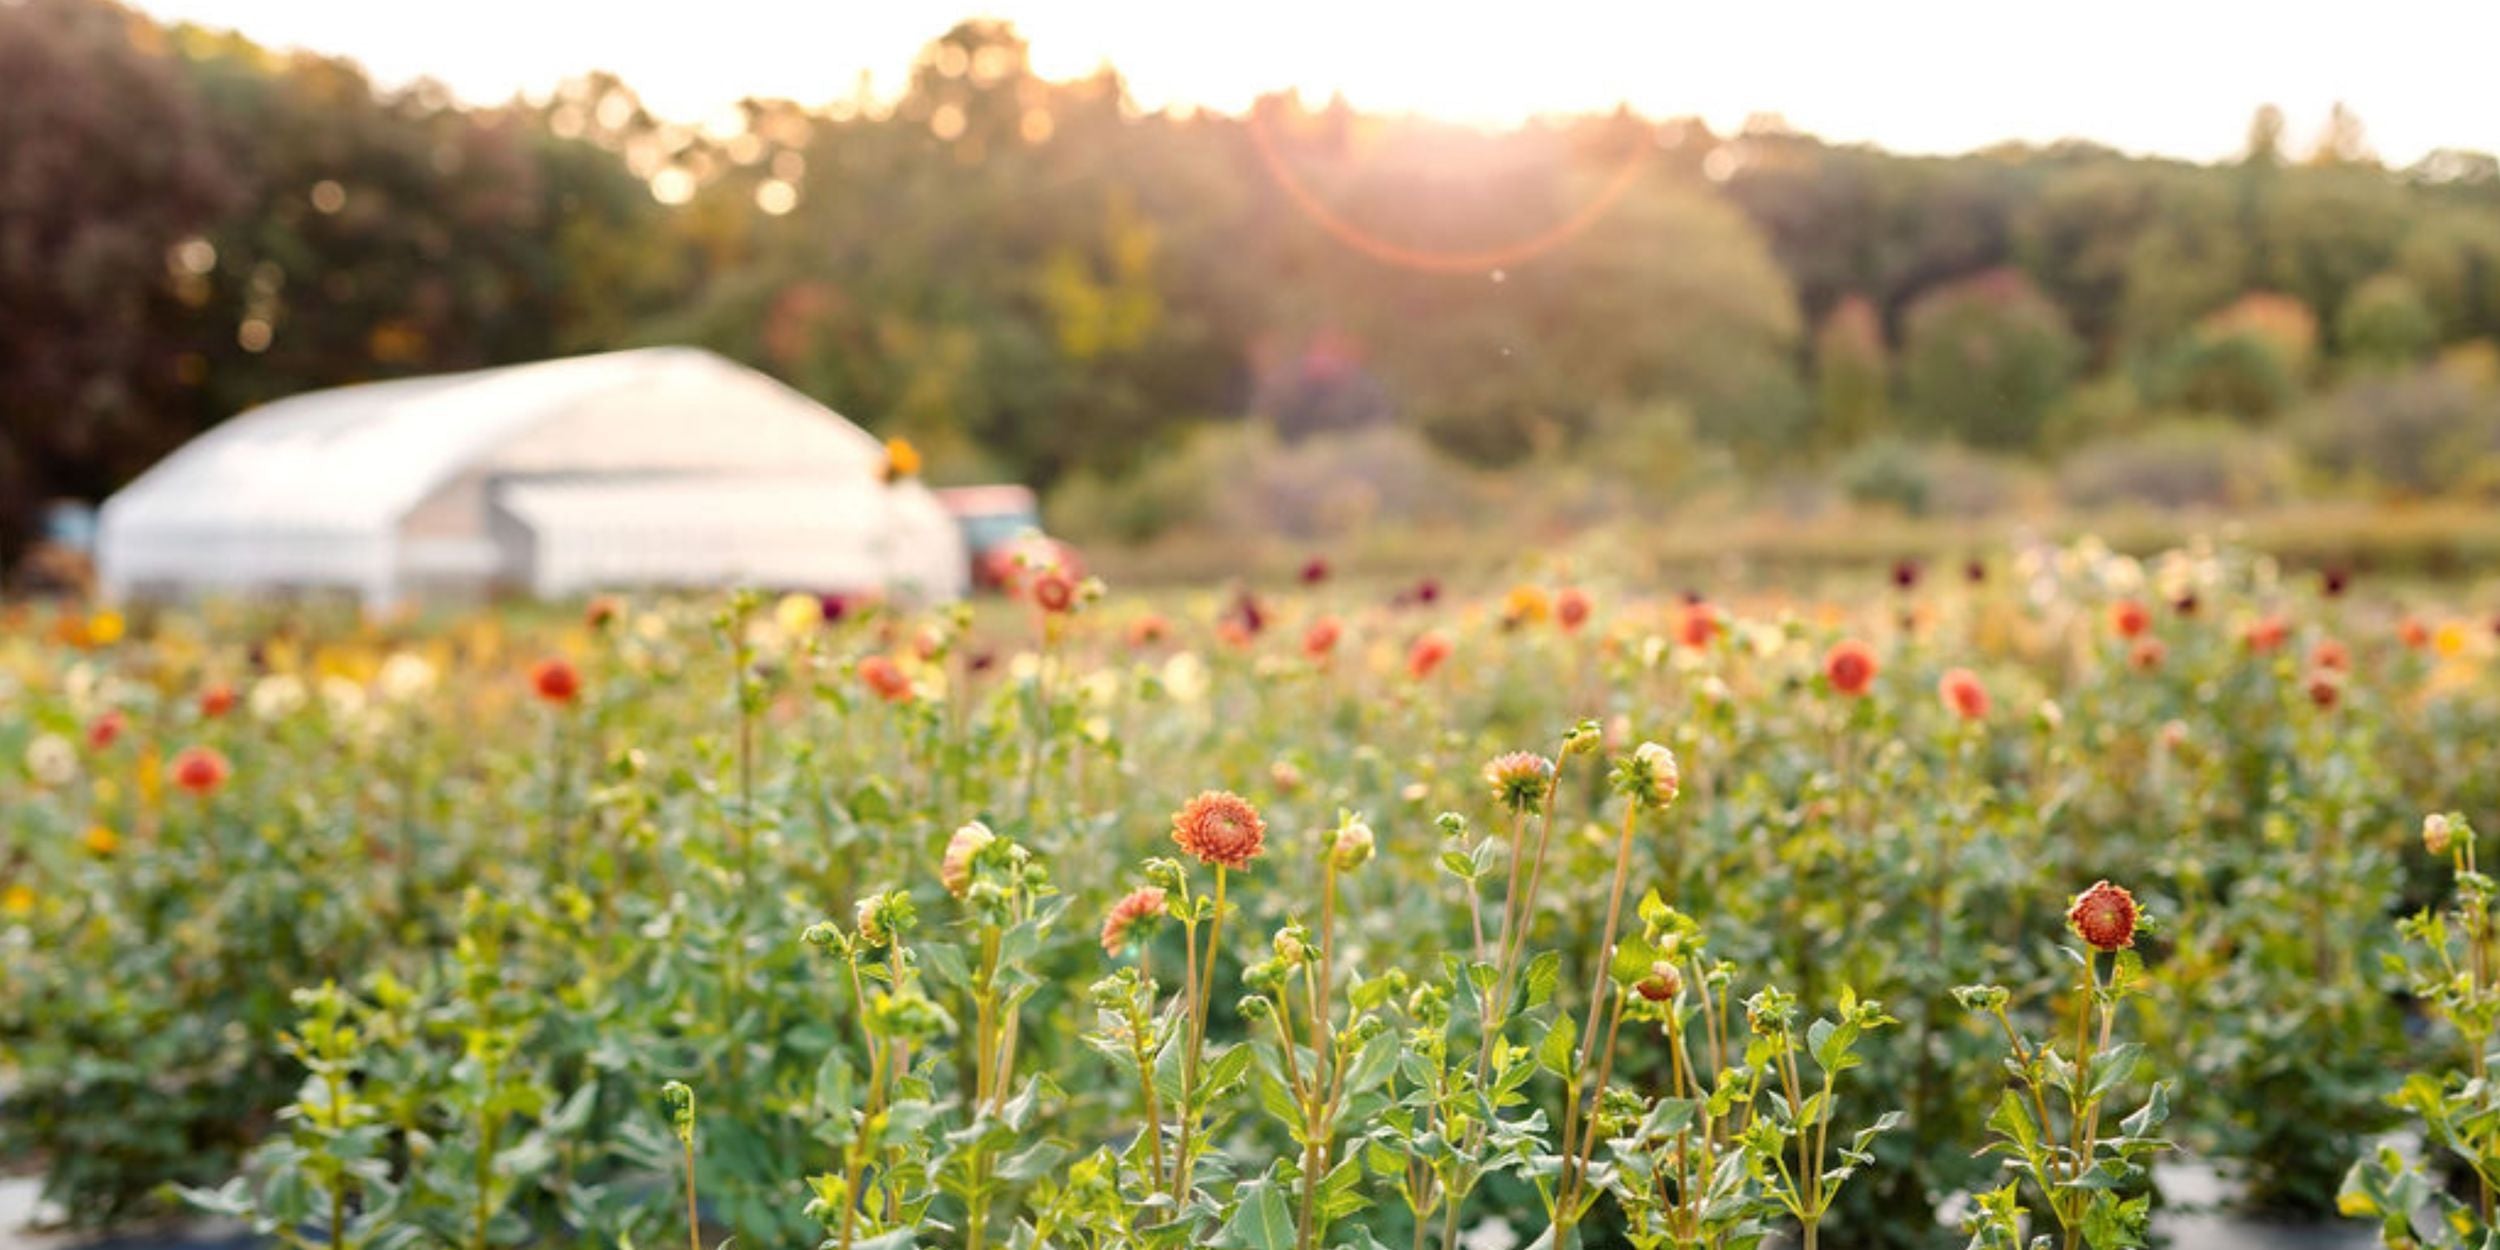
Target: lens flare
x: 1437, y: 260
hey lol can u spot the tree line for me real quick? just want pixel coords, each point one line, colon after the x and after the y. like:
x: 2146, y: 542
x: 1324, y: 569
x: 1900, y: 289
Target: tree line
x: 1036, y: 279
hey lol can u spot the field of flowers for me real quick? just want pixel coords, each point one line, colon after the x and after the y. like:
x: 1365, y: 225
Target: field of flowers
x: 1583, y: 913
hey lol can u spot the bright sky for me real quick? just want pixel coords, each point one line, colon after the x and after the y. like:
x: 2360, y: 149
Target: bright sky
x: 2179, y: 77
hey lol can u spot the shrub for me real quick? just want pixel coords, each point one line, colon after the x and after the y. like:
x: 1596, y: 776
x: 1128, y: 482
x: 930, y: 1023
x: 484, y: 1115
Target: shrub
x: 2237, y: 373
x: 1242, y: 478
x: 2422, y: 432
x: 2385, y: 324
x: 1927, y: 479
x: 1852, y: 374
x: 2180, y: 464
x: 1985, y: 358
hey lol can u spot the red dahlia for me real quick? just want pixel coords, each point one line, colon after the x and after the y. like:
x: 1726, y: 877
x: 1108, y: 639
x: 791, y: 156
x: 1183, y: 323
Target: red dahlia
x: 1696, y: 625
x: 1572, y: 608
x: 1850, y: 667
x: 556, y: 680
x: 1054, y: 591
x: 2104, y: 917
x: 200, y: 770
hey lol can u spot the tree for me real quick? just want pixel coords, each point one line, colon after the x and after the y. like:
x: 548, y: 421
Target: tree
x: 1852, y: 374
x: 108, y: 176
x: 1984, y: 358
x: 2248, y: 360
x: 2385, y: 324
x: 2265, y: 138
x: 2342, y: 141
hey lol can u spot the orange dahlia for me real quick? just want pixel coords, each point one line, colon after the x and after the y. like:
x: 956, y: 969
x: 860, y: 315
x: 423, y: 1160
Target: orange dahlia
x: 902, y: 460
x: 884, y: 678
x: 1143, y: 905
x: 1220, y: 827
x: 2130, y: 618
x: 2266, y: 633
x: 1961, y: 691
x: 1426, y: 655
x: 1321, y: 637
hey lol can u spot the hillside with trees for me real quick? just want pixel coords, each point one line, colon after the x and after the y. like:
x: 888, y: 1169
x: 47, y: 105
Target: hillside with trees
x: 1164, y: 319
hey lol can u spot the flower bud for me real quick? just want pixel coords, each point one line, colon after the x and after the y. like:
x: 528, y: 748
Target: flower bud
x: 1520, y: 780
x: 681, y: 1109
x: 1987, y: 998
x: 1351, y: 845
x: 1649, y: 775
x: 955, y: 868
x: 1164, y: 874
x: 2437, y: 834
x: 1662, y: 984
x: 2104, y: 917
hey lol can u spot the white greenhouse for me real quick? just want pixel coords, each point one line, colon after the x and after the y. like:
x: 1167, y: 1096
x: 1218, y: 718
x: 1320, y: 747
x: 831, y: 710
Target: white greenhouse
x: 661, y: 467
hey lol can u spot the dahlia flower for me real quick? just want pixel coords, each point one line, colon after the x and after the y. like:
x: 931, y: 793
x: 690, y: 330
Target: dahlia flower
x: 1221, y: 828
x: 2104, y: 917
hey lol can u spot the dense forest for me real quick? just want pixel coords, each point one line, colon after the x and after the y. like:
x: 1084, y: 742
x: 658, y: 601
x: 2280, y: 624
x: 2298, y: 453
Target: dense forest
x: 1035, y: 279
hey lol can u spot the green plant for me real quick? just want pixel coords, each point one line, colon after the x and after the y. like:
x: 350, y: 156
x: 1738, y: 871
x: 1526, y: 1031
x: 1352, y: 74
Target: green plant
x: 2048, y: 1124
x: 2449, y: 964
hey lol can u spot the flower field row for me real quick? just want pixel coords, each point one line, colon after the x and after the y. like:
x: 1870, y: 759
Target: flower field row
x: 1320, y: 920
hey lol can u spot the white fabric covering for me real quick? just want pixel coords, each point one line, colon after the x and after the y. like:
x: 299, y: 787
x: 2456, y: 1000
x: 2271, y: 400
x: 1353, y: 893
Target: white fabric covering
x: 661, y: 466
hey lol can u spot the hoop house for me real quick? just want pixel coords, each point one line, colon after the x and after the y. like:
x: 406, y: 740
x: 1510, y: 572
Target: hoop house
x: 667, y: 467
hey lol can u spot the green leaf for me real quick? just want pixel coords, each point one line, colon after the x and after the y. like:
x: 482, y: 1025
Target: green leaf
x: 1224, y: 1073
x: 1261, y: 1220
x: 1544, y: 972
x: 2112, y: 1223
x: 1632, y: 962
x: 1379, y: 1058
x: 1555, y: 1053
x: 1031, y: 1162
x: 2156, y: 1109
x: 2012, y: 1120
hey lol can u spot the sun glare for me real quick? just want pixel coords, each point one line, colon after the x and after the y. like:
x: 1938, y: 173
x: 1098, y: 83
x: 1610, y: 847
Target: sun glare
x: 1841, y: 71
